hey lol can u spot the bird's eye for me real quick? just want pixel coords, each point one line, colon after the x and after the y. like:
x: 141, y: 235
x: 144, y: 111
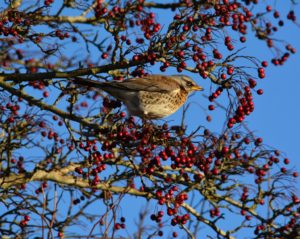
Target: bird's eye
x: 189, y: 84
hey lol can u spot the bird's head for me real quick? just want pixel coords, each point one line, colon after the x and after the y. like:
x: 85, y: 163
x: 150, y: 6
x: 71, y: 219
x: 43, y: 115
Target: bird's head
x: 187, y: 83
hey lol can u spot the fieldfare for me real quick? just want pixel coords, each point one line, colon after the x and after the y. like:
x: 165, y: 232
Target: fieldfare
x: 148, y: 97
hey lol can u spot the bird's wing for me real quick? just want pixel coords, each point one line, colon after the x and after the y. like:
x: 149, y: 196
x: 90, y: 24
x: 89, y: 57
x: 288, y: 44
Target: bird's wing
x: 152, y: 83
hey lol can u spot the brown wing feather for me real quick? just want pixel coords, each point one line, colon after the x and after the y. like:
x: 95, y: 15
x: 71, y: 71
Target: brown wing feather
x: 151, y: 83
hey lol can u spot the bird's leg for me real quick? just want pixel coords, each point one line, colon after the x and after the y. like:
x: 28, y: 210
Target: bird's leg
x: 144, y: 122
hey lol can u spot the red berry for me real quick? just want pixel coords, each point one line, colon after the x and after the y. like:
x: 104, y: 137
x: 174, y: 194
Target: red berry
x: 46, y: 94
x: 242, y: 39
x: 264, y: 63
x: 260, y: 91
x: 283, y: 170
x: 104, y: 55
x: 252, y: 83
x: 258, y: 141
x: 211, y: 107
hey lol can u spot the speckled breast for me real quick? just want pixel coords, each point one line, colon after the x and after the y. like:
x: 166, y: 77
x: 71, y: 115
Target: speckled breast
x: 158, y: 105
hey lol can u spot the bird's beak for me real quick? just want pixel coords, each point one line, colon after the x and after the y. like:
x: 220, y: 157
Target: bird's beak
x: 196, y: 87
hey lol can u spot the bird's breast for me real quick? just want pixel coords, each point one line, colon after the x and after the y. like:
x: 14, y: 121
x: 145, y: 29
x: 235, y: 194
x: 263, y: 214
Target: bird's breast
x: 158, y: 104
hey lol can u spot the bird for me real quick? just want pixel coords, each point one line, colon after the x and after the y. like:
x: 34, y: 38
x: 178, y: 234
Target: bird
x: 148, y: 97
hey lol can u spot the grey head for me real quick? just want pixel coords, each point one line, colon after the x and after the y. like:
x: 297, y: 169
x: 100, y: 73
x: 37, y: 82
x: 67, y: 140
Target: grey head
x: 187, y: 83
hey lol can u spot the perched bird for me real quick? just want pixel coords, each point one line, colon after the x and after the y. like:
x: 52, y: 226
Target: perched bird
x: 148, y: 97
